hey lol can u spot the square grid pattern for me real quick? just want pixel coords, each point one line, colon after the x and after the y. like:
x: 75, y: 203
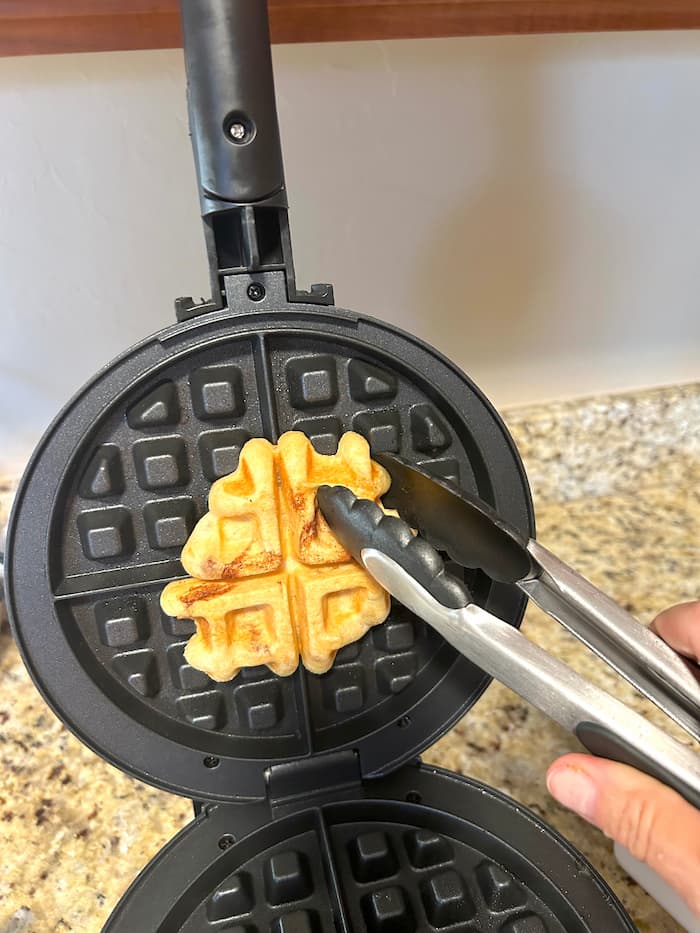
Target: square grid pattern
x: 143, y: 486
x: 404, y: 880
x: 392, y: 878
x: 282, y: 891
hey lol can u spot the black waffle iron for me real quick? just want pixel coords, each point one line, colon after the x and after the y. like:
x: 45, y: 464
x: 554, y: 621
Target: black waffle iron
x: 312, y: 811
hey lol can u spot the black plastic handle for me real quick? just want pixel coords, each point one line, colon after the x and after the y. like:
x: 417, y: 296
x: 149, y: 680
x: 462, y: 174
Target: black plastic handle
x: 359, y: 524
x: 232, y: 109
x: 603, y: 742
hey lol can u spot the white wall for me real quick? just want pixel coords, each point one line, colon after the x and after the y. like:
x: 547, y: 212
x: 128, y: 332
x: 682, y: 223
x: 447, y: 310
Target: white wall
x: 529, y: 205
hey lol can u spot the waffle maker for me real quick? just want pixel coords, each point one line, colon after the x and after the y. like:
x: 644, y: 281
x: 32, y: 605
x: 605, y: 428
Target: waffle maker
x: 312, y: 810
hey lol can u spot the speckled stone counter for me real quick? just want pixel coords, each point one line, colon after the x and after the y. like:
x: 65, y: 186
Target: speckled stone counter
x: 616, y: 483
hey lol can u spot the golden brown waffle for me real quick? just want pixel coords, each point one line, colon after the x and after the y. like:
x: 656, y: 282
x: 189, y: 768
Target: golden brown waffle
x: 270, y: 581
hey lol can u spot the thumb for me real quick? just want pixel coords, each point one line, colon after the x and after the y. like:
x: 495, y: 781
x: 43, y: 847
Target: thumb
x: 680, y: 627
x: 649, y: 819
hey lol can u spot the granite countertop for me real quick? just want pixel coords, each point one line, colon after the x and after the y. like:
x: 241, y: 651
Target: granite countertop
x: 616, y: 483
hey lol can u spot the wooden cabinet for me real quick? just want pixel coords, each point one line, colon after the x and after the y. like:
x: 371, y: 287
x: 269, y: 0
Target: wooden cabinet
x: 44, y: 26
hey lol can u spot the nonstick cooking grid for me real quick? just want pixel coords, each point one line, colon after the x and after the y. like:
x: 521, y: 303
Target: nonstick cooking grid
x: 395, y: 877
x: 424, y: 851
x: 141, y: 485
x: 137, y: 483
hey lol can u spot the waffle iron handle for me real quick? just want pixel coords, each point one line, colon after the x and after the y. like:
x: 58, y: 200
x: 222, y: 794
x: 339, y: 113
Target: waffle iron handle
x: 238, y: 155
x: 232, y: 109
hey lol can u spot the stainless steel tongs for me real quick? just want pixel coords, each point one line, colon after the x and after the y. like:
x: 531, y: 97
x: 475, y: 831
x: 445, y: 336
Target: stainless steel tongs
x: 469, y: 531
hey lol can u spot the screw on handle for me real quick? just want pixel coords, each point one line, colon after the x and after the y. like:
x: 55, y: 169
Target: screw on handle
x: 361, y: 525
x: 603, y: 742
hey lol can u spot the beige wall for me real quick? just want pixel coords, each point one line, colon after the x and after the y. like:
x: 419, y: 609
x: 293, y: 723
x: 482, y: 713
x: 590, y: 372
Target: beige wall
x: 529, y: 205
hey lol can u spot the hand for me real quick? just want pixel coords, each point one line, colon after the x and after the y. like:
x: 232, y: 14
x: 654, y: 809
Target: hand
x: 649, y: 819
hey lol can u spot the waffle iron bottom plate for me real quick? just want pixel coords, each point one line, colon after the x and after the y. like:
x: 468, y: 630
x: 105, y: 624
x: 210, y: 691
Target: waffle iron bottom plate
x: 424, y: 850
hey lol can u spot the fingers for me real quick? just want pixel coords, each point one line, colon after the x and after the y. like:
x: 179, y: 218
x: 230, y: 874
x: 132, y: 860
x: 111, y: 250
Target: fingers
x: 680, y: 627
x: 649, y: 819
x: 652, y: 821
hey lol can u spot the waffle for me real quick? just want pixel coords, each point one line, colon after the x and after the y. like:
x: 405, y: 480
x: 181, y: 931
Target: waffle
x: 269, y: 583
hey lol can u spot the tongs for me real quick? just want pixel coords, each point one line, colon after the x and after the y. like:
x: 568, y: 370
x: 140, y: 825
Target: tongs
x: 454, y: 521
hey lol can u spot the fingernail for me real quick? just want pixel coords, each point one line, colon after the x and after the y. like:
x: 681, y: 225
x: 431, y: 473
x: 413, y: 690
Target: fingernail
x: 573, y: 789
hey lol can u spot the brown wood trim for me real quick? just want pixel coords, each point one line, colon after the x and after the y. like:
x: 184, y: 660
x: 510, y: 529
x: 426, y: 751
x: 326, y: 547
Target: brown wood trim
x: 48, y: 26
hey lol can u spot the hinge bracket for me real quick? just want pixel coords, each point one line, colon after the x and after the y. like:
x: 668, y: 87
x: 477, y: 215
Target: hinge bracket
x: 313, y: 780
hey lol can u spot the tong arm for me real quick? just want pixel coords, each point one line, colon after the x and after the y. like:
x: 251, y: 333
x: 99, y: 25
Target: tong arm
x: 604, y: 725
x: 629, y: 647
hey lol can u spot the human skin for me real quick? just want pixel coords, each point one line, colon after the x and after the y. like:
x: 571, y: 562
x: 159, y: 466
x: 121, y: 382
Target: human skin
x: 649, y: 819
